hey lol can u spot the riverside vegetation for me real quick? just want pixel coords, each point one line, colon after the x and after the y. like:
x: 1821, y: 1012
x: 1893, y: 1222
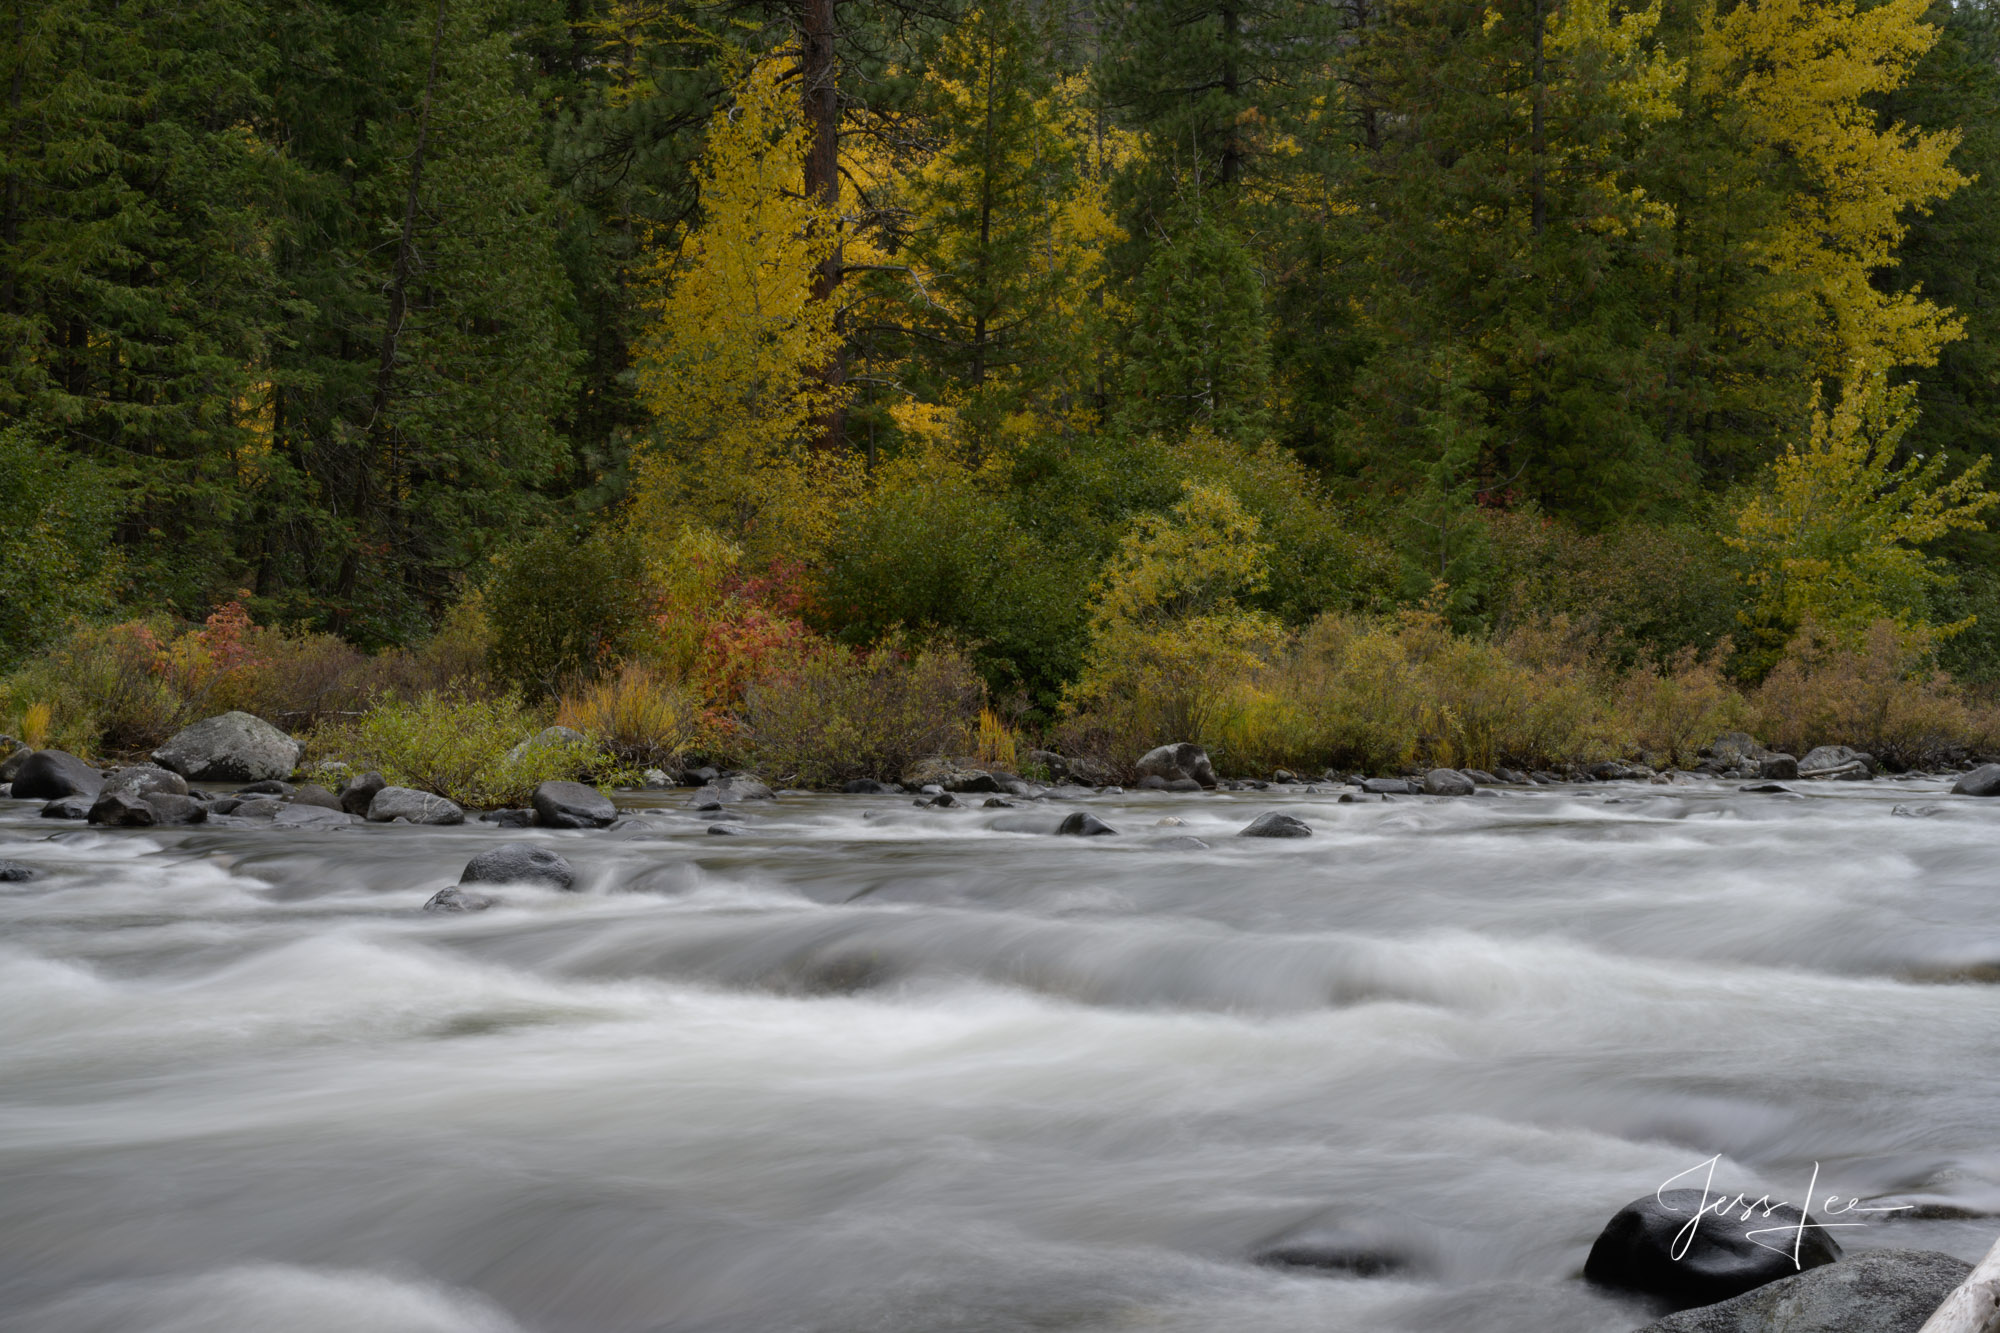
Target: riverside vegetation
x: 825, y: 389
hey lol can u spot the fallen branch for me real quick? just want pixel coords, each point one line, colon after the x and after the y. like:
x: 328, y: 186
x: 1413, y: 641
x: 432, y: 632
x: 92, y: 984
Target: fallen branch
x: 1974, y: 1305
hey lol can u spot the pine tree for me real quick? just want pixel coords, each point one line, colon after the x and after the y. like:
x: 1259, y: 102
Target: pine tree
x: 1199, y: 356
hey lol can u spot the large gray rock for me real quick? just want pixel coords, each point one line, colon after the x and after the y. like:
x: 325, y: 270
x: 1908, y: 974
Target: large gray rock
x: 48, y: 775
x: 1271, y: 824
x: 1778, y: 767
x: 572, y: 805
x: 736, y: 787
x: 169, y: 808
x: 1736, y: 747
x: 1170, y: 763
x: 144, y: 780
x: 1981, y: 781
x: 1082, y: 824
x: 1882, y: 1291
x: 1837, y: 762
x: 294, y: 816
x: 455, y: 899
x: 13, y: 872
x: 121, y: 809
x: 1389, y: 787
x: 69, y: 807
x: 519, y: 863
x: 311, y: 793
x: 356, y: 794
x: 1447, y: 782
x: 233, y: 747
x: 11, y: 765
x: 419, y: 807
x: 1641, y: 1249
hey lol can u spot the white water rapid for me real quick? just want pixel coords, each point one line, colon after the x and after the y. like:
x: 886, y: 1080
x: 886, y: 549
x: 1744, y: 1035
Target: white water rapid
x: 871, y: 1069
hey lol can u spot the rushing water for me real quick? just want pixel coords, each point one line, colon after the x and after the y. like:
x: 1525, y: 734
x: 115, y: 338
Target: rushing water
x: 871, y: 1069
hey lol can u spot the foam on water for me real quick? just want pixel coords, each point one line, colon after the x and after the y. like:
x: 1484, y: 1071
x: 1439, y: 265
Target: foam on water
x: 870, y: 1068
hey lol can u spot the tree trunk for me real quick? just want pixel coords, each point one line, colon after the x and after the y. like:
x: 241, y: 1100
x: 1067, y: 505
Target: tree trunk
x: 819, y: 91
x: 1974, y: 1307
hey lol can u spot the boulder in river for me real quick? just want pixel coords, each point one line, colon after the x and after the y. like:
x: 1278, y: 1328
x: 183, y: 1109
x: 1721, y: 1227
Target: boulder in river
x: 311, y: 793
x: 509, y: 818
x: 1837, y: 762
x: 48, y: 775
x: 419, y: 807
x: 1778, y: 767
x: 1272, y: 824
x: 1981, y: 781
x: 455, y: 899
x: 171, y: 808
x: 519, y: 863
x: 1388, y: 787
x: 735, y: 787
x: 869, y: 787
x: 1082, y: 824
x: 357, y: 793
x: 293, y: 815
x: 143, y: 780
x: 69, y: 807
x: 1170, y: 763
x: 231, y: 747
x: 1881, y: 1291
x: 121, y: 809
x: 11, y: 765
x: 1637, y: 1249
x: 1447, y: 782
x: 13, y: 872
x: 572, y: 805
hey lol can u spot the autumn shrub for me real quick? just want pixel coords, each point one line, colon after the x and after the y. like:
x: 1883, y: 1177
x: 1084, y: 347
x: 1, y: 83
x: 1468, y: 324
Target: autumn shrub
x: 1878, y: 692
x: 638, y: 714
x: 463, y: 747
x: 1669, y: 711
x: 844, y: 713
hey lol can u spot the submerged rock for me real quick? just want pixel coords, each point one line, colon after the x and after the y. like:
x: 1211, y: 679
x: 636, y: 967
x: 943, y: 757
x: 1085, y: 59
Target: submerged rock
x: 1882, y: 1291
x: 1082, y: 824
x: 232, y: 747
x: 1272, y: 824
x: 519, y: 863
x: 572, y: 805
x: 69, y: 807
x: 455, y: 899
x: 13, y: 872
x: 50, y: 775
x: 292, y: 815
x: 509, y: 818
x: 1636, y: 1249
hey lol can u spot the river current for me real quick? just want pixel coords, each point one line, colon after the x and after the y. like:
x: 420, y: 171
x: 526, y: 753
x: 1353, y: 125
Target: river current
x: 874, y: 1069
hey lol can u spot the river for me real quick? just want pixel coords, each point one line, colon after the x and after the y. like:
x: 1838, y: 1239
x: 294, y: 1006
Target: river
x: 875, y: 1069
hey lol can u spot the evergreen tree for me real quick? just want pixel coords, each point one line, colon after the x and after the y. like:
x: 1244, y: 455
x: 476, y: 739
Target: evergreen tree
x: 1199, y: 356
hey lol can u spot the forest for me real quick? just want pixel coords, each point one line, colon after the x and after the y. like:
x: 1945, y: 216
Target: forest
x: 824, y: 385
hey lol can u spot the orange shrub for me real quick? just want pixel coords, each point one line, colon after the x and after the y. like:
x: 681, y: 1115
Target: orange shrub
x: 1879, y: 694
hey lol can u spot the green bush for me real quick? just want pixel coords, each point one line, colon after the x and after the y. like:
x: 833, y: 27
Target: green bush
x: 55, y: 544
x: 457, y: 746
x: 561, y: 605
x: 846, y: 713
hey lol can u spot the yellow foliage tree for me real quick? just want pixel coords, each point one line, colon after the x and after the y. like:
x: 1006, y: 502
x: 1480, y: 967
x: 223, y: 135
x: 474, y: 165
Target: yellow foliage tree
x: 1835, y: 540
x: 729, y: 360
x: 1800, y: 72
x: 1169, y: 640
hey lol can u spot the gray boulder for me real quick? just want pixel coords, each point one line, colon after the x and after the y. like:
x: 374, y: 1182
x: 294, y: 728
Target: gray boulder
x: 11, y: 765
x: 356, y: 794
x: 509, y: 818
x: 233, y: 747
x: 1171, y: 763
x: 13, y: 872
x: 455, y: 899
x: 1637, y: 1250
x: 1736, y: 747
x: 735, y: 787
x: 1447, y: 782
x: 144, y: 780
x: 572, y: 805
x: 1271, y: 824
x: 1388, y: 787
x: 171, y: 808
x: 121, y: 809
x: 1083, y: 825
x: 69, y: 807
x: 1882, y: 1291
x: 48, y: 775
x: 1837, y: 762
x: 311, y: 793
x: 519, y: 863
x: 419, y: 807
x: 1981, y: 781
x: 290, y: 815
x: 1778, y: 767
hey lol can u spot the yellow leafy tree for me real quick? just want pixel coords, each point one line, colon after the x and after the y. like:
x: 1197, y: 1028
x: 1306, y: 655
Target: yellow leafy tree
x: 1835, y: 539
x: 1801, y: 73
x: 733, y: 344
x: 1170, y: 641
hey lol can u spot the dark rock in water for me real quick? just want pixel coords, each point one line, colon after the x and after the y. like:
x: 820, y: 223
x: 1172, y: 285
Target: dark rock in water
x: 418, y: 807
x: 1635, y: 1251
x: 869, y: 787
x: 1915, y: 811
x: 1837, y: 762
x: 456, y: 899
x: 234, y: 747
x: 257, y: 807
x: 357, y: 793
x: 519, y: 863
x: 513, y: 818
x: 1778, y: 767
x: 268, y: 787
x: 1184, y: 785
x: 572, y: 805
x: 144, y: 780
x: 1387, y: 787
x: 13, y: 872
x: 944, y: 800
x: 169, y: 808
x: 1336, y: 1252
x: 69, y: 807
x: 1180, y: 760
x: 1151, y: 782
x: 1081, y: 824
x: 313, y: 794
x: 998, y: 803
x: 1882, y: 1291
x: 1271, y: 824
x: 1479, y: 776
x: 1184, y: 843
x: 49, y: 775
x: 1981, y: 781
x: 291, y: 815
x: 1447, y: 782
x: 727, y: 830
x: 1510, y: 776
x: 1768, y: 789
x: 121, y: 809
